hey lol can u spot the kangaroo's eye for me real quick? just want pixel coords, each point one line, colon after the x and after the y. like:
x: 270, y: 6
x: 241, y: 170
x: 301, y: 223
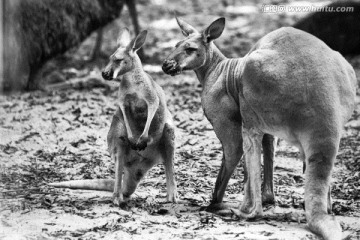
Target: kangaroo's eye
x: 190, y: 50
x: 118, y: 61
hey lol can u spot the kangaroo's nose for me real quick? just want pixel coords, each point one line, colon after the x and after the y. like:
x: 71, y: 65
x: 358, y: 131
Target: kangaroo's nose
x: 106, y: 75
x: 168, y: 65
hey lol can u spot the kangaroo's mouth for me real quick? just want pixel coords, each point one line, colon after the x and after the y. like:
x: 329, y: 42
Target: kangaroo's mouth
x: 175, y: 72
x: 107, y: 75
x: 172, y: 68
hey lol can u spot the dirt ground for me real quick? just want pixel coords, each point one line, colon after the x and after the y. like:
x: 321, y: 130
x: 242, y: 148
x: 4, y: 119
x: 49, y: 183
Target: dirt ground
x: 61, y: 135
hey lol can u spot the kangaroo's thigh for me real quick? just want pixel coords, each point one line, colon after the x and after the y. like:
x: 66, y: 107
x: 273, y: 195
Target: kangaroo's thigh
x: 117, y: 133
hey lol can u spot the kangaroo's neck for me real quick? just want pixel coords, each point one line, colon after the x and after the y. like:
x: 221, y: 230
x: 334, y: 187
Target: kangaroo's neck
x: 213, y: 58
x: 137, y: 65
x: 137, y: 73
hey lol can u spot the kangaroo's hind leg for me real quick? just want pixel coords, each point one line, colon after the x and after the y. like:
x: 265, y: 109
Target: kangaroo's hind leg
x: 268, y: 145
x: 119, y: 151
x: 167, y: 150
x: 252, y: 204
x: 232, y: 143
x: 320, y: 151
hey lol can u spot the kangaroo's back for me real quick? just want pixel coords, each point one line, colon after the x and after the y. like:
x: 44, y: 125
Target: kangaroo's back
x: 291, y: 70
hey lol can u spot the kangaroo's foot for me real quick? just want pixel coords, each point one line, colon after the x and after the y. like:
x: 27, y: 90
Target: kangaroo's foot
x: 222, y: 209
x: 268, y: 198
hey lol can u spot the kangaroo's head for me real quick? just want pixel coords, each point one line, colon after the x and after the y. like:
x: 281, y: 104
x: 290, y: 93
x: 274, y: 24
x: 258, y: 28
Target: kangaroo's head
x: 124, y: 58
x: 192, y: 52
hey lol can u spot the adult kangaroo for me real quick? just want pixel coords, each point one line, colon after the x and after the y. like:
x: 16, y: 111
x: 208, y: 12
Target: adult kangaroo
x: 290, y: 85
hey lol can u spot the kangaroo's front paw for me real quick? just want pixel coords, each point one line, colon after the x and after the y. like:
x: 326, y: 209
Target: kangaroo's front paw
x: 141, y: 145
x: 142, y: 142
x: 132, y: 143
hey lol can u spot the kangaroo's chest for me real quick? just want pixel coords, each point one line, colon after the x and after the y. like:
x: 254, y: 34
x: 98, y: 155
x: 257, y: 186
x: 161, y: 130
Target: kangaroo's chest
x: 135, y: 106
x: 132, y: 96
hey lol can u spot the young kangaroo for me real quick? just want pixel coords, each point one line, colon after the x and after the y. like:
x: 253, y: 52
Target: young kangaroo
x: 142, y: 131
x: 289, y: 85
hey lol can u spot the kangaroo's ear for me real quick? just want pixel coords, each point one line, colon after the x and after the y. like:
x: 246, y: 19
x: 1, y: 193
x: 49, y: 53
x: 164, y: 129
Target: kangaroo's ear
x: 137, y: 43
x: 124, y: 38
x: 186, y: 28
x: 214, y: 30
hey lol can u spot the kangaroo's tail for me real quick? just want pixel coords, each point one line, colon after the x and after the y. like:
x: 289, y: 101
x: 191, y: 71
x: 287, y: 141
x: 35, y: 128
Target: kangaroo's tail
x: 90, y: 184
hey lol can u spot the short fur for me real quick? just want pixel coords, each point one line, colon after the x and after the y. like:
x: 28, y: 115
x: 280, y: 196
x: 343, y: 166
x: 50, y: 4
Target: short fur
x: 290, y: 85
x: 142, y: 130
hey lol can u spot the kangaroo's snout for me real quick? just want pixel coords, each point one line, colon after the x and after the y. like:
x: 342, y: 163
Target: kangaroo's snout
x: 170, y: 67
x: 107, y: 75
